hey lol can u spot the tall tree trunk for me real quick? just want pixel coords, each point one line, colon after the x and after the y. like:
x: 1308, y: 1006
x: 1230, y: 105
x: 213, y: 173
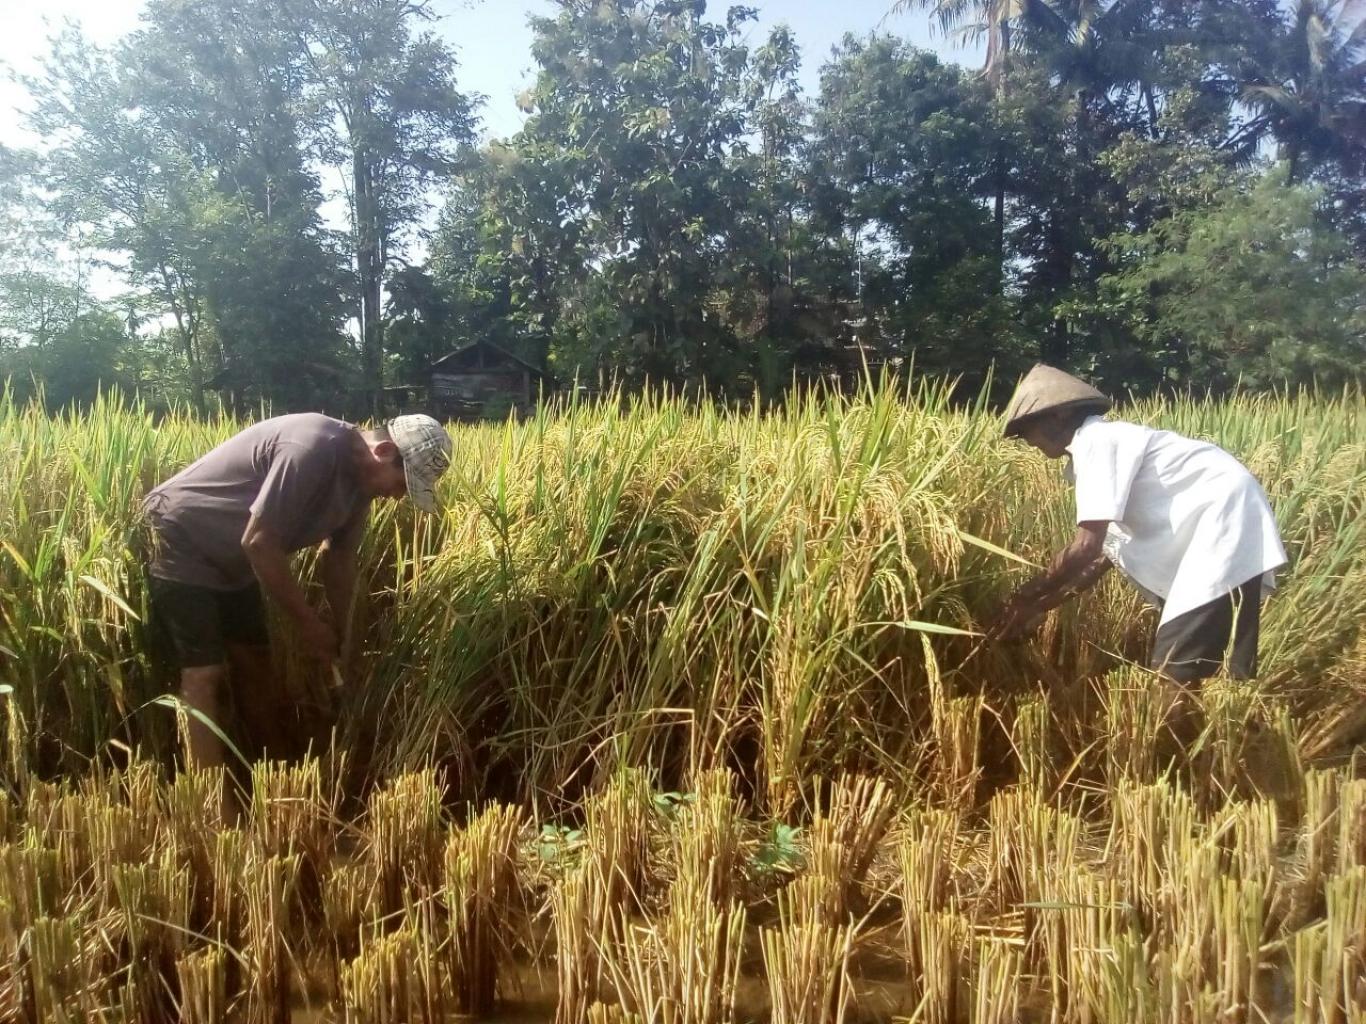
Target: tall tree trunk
x: 999, y: 215
x: 1065, y: 228
x: 185, y: 328
x: 998, y: 171
x: 369, y: 271
x: 549, y: 308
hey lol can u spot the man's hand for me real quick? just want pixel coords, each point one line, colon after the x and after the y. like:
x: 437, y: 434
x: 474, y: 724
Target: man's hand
x: 1076, y: 568
x: 318, y: 638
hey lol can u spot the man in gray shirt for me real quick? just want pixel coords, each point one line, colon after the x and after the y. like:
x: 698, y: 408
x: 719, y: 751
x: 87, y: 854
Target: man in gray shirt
x: 223, y: 530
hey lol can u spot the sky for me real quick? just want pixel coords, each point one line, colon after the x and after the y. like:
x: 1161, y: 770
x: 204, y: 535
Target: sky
x: 491, y: 38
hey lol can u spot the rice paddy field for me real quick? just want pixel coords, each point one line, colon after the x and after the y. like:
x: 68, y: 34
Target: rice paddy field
x: 682, y: 715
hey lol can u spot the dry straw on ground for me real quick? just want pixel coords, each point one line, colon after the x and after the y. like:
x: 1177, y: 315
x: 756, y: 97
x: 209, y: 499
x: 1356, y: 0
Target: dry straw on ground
x: 755, y: 614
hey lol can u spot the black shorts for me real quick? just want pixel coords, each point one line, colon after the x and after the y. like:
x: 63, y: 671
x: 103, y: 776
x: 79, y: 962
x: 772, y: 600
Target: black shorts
x: 200, y: 622
x: 1194, y: 645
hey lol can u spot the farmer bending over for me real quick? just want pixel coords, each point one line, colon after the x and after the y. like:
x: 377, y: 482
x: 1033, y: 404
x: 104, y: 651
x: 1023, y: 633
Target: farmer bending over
x: 1183, y: 519
x: 223, y: 530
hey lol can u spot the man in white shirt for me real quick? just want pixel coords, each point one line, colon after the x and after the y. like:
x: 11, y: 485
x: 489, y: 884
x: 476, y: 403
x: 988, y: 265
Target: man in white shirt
x: 1183, y: 519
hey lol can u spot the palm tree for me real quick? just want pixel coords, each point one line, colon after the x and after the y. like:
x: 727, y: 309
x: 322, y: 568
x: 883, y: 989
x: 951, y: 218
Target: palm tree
x: 970, y: 20
x: 1088, y: 49
x: 1313, y: 101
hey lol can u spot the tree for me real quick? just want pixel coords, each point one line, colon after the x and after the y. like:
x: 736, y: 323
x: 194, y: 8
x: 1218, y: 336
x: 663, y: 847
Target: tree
x: 225, y: 80
x: 111, y: 167
x: 217, y: 214
x: 1310, y: 92
x: 1251, y: 287
x: 635, y: 114
x: 84, y: 356
x: 400, y: 124
x: 902, y: 154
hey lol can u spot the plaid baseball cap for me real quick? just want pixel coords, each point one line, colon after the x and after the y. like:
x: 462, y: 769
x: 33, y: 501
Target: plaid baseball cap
x: 425, y: 448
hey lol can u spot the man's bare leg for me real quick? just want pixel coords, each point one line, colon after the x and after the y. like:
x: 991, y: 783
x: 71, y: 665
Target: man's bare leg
x: 260, y: 704
x: 201, y: 689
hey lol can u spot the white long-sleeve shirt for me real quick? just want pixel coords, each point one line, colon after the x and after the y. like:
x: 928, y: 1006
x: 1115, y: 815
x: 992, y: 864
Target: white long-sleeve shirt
x: 1187, y: 522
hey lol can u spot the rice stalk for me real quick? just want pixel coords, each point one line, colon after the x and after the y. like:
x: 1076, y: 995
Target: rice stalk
x: 112, y: 837
x: 1351, y: 826
x: 1316, y: 844
x: 1033, y: 856
x: 289, y: 815
x: 406, y: 832
x: 32, y: 885
x: 611, y: 1013
x: 806, y: 959
x: 267, y: 891
x: 1253, y: 832
x: 150, y: 924
x: 927, y: 855
x: 227, y: 882
x: 1185, y: 924
x: 1307, y: 949
x: 1231, y: 710
x: 11, y: 964
x: 480, y: 889
x: 942, y: 969
x: 348, y: 903
x: 682, y: 968
x: 1239, y: 911
x: 581, y: 916
x: 1030, y: 738
x: 1152, y: 829
x: 617, y: 823
x: 1032, y: 848
x: 203, y: 981
x: 1135, y: 710
x: 707, y: 838
x: 845, y: 837
x: 1342, y: 986
x: 141, y: 786
x: 1102, y: 974
x: 859, y: 814
x: 16, y: 735
x: 194, y: 817
x: 63, y: 984
x: 393, y: 980
x: 996, y: 994
x: 957, y: 753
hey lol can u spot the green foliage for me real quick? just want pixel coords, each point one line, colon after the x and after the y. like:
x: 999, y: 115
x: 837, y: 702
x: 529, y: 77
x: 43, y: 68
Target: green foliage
x: 643, y: 103
x: 559, y: 847
x: 1252, y: 287
x: 902, y: 155
x: 87, y: 354
x: 780, y: 853
x: 397, y: 124
x: 675, y: 209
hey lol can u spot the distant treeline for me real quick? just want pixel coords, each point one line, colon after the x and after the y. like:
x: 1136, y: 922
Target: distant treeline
x: 1156, y: 193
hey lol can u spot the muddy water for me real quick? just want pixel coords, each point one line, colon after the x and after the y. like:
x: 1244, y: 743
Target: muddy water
x: 531, y: 997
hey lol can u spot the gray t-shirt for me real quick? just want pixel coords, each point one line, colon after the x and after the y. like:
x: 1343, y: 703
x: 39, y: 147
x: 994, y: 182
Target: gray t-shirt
x: 295, y: 473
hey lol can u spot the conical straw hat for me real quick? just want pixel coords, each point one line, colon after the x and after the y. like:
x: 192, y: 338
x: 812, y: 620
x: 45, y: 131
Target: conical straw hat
x: 1045, y: 389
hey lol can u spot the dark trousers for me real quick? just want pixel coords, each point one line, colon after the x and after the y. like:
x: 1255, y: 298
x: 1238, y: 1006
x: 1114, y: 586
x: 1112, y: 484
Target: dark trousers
x: 1193, y: 646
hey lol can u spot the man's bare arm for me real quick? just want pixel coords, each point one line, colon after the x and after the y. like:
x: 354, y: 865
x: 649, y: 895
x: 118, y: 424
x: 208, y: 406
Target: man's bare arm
x: 1074, y: 569
x: 338, y: 572
x: 270, y: 562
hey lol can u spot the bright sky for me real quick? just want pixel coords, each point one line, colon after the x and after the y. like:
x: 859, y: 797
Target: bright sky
x: 491, y: 38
